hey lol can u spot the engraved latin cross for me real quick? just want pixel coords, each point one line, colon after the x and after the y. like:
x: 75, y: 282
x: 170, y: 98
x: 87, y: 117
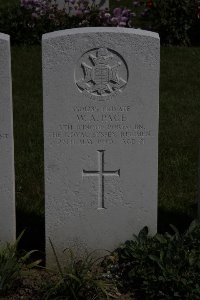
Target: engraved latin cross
x: 101, y: 173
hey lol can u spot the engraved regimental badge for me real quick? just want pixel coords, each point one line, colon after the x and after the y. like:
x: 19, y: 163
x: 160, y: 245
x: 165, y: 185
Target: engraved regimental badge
x: 101, y: 73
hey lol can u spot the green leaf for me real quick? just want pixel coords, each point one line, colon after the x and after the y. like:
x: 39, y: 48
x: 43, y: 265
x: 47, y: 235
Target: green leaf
x: 175, y: 230
x: 161, y: 238
x: 193, y: 226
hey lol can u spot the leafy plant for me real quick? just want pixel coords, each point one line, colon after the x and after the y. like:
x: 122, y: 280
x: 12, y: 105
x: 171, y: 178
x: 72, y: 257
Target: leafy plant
x: 161, y: 267
x: 79, y: 279
x: 12, y: 264
x: 27, y: 22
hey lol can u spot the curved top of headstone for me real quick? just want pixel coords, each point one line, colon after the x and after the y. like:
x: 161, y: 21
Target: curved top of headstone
x: 100, y: 30
x: 4, y: 36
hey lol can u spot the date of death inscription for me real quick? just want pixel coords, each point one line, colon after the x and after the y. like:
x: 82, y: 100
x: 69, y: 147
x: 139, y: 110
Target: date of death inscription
x: 90, y: 125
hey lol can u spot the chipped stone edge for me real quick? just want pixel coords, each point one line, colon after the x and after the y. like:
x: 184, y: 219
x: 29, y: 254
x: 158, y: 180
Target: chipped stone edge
x: 4, y: 37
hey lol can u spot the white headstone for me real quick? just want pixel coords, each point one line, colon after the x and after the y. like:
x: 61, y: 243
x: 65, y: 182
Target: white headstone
x: 7, y: 181
x: 101, y: 94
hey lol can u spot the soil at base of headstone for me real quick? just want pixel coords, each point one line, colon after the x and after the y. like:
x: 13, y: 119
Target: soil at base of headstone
x: 30, y: 286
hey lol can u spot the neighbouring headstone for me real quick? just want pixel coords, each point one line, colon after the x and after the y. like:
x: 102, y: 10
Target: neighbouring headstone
x: 101, y: 95
x: 7, y: 181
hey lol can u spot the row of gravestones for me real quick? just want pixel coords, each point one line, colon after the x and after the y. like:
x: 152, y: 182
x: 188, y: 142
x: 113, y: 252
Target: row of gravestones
x: 100, y: 137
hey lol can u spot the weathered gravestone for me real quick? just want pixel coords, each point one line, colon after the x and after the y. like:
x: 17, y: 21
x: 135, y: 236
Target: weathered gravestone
x: 7, y: 190
x: 101, y: 90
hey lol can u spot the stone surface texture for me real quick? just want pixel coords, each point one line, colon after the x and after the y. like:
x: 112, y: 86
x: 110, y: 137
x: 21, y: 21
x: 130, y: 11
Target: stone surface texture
x: 101, y: 97
x: 7, y: 183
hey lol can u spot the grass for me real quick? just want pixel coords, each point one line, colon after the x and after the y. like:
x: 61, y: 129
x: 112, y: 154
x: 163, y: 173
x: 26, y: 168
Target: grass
x: 27, y: 90
x: 28, y: 134
x: 4, y: 3
x: 179, y: 137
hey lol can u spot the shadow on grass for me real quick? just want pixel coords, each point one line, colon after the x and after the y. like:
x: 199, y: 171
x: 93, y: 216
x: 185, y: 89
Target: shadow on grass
x: 180, y: 220
x: 34, y: 235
